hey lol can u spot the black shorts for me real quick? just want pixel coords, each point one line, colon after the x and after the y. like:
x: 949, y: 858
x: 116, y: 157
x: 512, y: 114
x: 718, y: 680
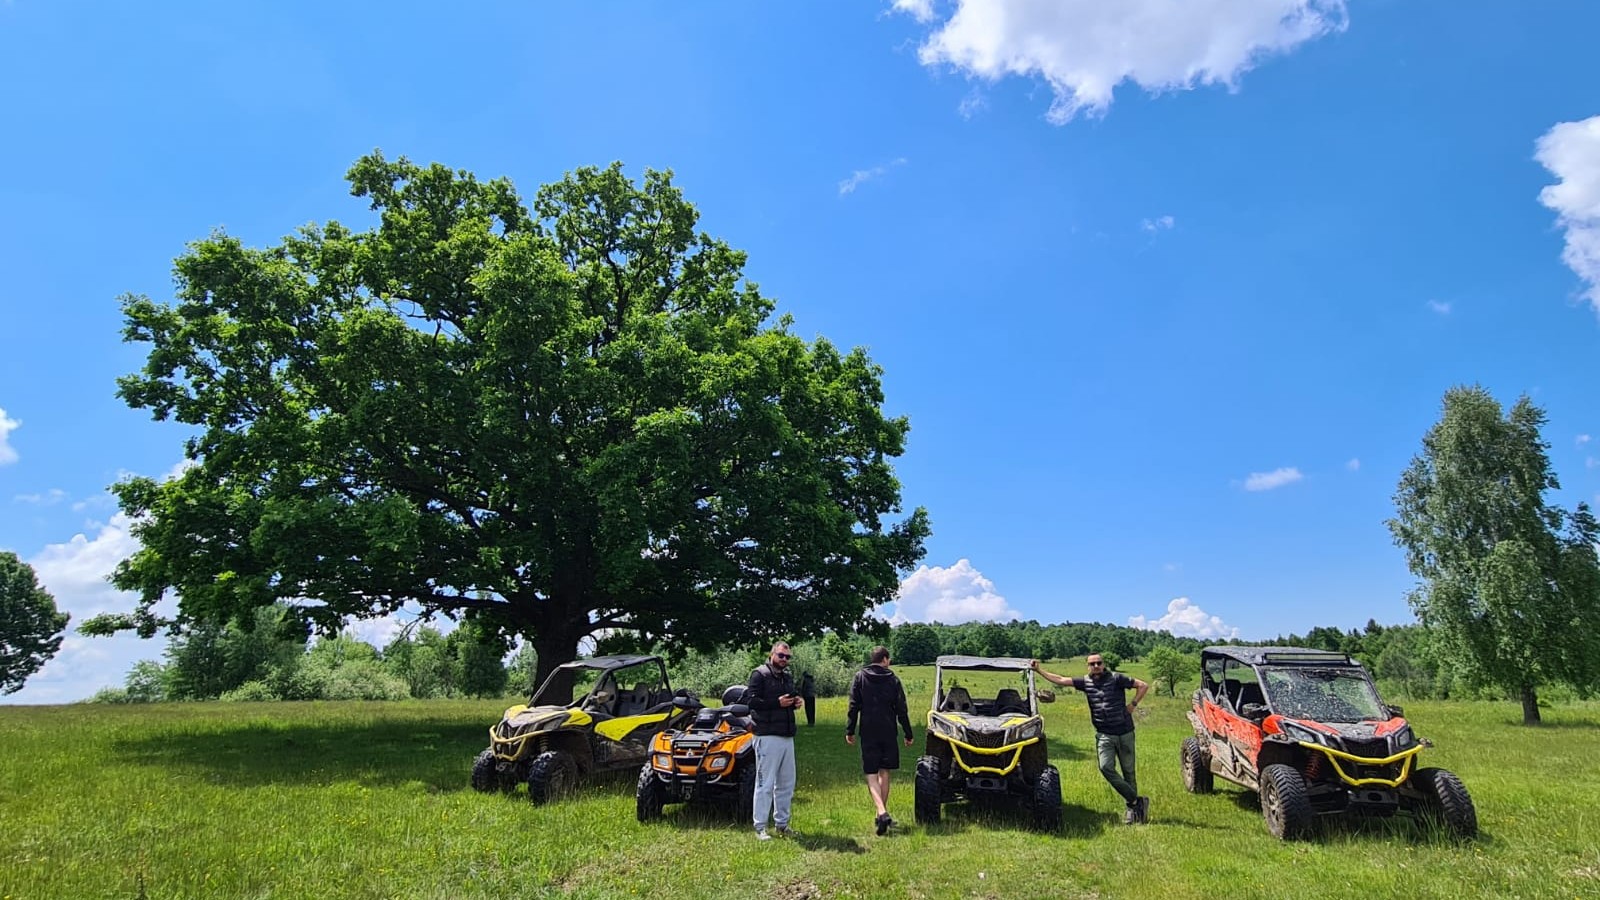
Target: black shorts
x: 879, y: 752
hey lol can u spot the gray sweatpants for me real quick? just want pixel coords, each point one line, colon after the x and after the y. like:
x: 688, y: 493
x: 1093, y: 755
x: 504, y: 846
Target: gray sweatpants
x: 774, y: 779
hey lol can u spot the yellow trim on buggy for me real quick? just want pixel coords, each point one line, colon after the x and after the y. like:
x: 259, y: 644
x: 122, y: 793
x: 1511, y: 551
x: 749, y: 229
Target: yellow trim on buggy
x: 517, y: 744
x: 1335, y: 755
x: 1015, y: 750
x: 617, y: 729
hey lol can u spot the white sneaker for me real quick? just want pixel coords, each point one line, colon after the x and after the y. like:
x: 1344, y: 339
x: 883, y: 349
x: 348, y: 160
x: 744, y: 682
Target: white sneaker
x: 761, y: 835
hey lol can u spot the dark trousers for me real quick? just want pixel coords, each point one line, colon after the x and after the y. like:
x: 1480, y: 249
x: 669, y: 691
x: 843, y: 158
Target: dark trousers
x: 811, y: 710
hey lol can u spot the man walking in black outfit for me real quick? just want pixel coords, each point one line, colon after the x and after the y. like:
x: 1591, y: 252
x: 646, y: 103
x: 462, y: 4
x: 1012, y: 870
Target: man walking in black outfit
x: 878, y: 699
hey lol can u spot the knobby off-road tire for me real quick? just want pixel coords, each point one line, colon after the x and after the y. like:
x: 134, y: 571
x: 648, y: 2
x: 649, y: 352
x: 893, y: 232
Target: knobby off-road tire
x: 484, y: 776
x: 745, y: 809
x: 650, y: 796
x: 928, y: 791
x: 1046, y: 800
x: 1284, y: 803
x: 1197, y: 777
x: 1446, y: 801
x: 553, y: 775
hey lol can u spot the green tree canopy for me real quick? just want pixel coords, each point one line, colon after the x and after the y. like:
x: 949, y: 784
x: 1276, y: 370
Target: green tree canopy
x: 1509, y: 583
x: 570, y: 418
x: 30, y: 625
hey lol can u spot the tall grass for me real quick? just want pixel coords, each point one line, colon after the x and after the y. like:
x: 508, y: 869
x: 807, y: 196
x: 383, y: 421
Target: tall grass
x: 353, y: 799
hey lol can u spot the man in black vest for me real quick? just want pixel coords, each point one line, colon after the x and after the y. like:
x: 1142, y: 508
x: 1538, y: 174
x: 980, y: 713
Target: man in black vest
x: 772, y: 699
x: 1112, y: 716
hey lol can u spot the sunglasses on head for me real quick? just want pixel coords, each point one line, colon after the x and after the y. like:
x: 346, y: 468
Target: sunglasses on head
x: 783, y: 656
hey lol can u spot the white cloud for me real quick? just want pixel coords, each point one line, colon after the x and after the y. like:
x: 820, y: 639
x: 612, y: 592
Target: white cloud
x: 921, y: 10
x: 75, y: 574
x: 7, y: 425
x: 48, y: 498
x: 1439, y: 306
x: 1084, y: 48
x: 1591, y: 462
x: 972, y: 104
x: 1184, y: 619
x: 1571, y: 151
x: 862, y: 176
x: 959, y: 593
x: 1353, y: 465
x: 1162, y: 223
x: 1277, y: 478
x: 1583, y: 439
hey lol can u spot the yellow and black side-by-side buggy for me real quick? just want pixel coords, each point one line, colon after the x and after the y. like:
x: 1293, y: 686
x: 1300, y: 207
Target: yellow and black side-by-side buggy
x: 591, y: 716
x: 711, y: 761
x: 989, y: 747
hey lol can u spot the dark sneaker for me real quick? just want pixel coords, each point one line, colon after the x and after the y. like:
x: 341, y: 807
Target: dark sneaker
x: 1143, y: 810
x: 785, y: 831
x: 883, y: 823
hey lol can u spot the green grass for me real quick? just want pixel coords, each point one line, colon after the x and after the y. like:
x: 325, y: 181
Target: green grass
x: 371, y: 800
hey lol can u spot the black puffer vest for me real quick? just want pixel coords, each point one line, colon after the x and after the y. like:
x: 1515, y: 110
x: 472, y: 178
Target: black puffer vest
x: 762, y: 694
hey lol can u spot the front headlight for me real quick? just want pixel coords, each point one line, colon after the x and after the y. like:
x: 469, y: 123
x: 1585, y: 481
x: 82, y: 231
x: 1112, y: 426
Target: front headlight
x: 1404, y: 739
x: 718, y: 763
x: 662, y: 761
x: 1025, y: 731
x: 1300, y: 732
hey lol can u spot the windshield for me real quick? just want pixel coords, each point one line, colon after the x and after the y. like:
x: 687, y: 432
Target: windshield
x: 1323, y: 695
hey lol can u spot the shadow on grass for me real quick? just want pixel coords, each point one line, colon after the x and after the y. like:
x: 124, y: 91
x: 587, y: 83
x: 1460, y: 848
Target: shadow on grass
x: 963, y: 816
x: 435, y: 752
x: 1558, y: 724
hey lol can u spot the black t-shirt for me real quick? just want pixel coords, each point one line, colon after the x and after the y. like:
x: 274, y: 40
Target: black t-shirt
x: 1108, y: 701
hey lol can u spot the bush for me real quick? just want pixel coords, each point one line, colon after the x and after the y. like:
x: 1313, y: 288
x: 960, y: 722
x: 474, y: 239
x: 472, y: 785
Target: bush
x: 250, y: 692
x: 363, y: 680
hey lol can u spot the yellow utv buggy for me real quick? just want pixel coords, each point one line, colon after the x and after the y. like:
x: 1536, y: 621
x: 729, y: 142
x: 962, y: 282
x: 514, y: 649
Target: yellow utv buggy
x: 590, y: 716
x: 987, y: 747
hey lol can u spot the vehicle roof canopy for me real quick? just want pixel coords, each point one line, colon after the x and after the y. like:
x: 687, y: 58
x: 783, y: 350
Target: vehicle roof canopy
x: 1279, y: 656
x: 986, y: 663
x: 620, y: 661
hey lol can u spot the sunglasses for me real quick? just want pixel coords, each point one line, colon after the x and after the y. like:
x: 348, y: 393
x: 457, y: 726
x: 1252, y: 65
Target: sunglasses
x: 1097, y: 664
x: 783, y: 656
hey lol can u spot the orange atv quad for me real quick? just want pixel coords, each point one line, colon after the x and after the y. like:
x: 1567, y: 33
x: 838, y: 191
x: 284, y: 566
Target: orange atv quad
x: 1307, y: 730
x: 712, y: 761
x: 554, y: 740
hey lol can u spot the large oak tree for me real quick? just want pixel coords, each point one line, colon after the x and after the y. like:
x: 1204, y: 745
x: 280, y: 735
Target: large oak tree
x: 30, y: 625
x: 567, y: 418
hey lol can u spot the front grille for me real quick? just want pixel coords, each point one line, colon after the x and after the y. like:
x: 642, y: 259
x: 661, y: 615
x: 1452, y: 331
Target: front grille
x: 987, y: 740
x: 1368, y: 749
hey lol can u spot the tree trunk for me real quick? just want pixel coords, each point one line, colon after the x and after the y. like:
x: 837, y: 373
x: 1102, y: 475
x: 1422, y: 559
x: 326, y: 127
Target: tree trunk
x: 555, y: 643
x: 1530, y: 706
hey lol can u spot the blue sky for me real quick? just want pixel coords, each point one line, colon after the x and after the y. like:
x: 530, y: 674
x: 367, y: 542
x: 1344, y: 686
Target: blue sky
x: 1169, y: 290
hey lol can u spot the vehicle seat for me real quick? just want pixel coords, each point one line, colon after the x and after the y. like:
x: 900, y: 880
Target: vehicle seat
x: 957, y: 700
x: 634, y: 702
x: 1009, y: 699
x: 1251, y: 693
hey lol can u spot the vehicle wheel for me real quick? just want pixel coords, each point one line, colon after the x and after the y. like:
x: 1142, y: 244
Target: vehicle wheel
x: 1046, y: 807
x: 928, y: 790
x: 1445, y: 800
x: 484, y: 776
x: 650, y: 795
x: 1196, y: 767
x: 745, y: 809
x: 1284, y: 803
x: 552, y: 776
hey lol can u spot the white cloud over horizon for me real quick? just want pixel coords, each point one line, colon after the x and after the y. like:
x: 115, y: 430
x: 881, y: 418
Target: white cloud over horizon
x: 1084, y: 49
x: 862, y: 176
x: 950, y: 595
x: 8, y: 454
x: 1441, y: 307
x: 1185, y: 619
x: 1571, y: 151
x: 1160, y: 223
x: 1277, y: 478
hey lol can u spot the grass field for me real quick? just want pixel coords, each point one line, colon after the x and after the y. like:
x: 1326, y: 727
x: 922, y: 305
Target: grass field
x: 371, y: 800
